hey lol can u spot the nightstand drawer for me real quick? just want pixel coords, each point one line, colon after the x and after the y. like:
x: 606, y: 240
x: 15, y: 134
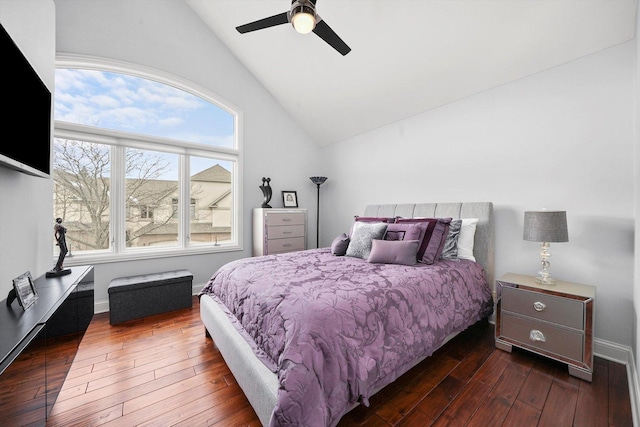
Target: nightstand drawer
x: 563, y: 311
x: 546, y: 337
x: 283, y: 232
x: 285, y: 245
x: 294, y: 218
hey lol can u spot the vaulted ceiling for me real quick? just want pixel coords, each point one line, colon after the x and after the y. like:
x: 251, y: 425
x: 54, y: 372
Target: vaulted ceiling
x: 409, y: 56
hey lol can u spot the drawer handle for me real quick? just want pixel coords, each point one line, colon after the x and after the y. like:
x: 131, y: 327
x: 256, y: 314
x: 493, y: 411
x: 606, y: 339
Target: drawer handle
x: 286, y: 245
x: 536, y: 335
x: 286, y: 219
x: 539, y: 306
x: 287, y: 232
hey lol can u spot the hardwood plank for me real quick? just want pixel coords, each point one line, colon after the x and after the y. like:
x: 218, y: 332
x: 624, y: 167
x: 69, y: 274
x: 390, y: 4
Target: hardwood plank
x: 465, y: 404
x: 592, y: 408
x: 162, y: 370
x: 209, y: 414
x: 501, y: 397
x: 560, y: 406
x: 86, y: 405
x: 535, y: 389
x: 619, y: 400
x: 414, y: 387
x: 220, y: 409
x: 522, y: 415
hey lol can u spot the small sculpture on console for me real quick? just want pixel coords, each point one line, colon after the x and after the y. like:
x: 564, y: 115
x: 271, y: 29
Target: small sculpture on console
x: 59, y: 232
x: 266, y: 191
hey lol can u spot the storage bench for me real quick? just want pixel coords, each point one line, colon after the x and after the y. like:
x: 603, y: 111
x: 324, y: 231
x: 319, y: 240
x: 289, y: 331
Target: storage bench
x: 135, y: 297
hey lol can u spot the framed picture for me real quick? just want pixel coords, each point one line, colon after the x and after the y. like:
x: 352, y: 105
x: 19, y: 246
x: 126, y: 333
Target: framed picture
x: 289, y: 199
x: 25, y: 290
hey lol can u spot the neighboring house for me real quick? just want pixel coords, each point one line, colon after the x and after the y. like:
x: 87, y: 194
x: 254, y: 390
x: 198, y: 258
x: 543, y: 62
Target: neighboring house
x: 152, y: 210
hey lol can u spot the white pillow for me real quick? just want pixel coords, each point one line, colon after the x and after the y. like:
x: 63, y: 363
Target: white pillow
x: 466, y: 238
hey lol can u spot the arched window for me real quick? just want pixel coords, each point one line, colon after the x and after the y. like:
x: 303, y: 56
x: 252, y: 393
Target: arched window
x: 145, y: 164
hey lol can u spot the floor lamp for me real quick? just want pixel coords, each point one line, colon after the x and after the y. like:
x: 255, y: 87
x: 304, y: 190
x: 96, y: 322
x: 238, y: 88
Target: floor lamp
x: 318, y: 180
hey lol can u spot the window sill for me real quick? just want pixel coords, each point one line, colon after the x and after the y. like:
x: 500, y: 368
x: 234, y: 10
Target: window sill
x: 109, y: 257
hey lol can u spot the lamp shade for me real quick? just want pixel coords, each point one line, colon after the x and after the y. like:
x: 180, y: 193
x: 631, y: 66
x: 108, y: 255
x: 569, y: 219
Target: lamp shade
x: 303, y: 22
x: 545, y: 226
x: 318, y: 180
x: 303, y: 16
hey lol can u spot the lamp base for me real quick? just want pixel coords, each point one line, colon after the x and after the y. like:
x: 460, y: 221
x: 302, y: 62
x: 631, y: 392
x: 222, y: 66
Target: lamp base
x: 545, y: 280
x: 544, y: 276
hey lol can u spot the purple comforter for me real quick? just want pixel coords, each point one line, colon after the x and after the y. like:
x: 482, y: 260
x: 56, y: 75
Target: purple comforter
x: 336, y: 329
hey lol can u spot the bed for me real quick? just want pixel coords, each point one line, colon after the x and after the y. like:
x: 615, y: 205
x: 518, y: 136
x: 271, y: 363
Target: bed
x: 309, y: 335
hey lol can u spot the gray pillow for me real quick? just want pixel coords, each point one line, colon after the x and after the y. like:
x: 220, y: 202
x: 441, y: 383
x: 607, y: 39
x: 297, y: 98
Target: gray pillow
x: 401, y: 252
x: 340, y: 244
x: 362, y: 235
x: 450, y: 248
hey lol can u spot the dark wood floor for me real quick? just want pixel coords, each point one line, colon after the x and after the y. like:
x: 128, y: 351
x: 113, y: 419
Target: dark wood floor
x: 162, y: 371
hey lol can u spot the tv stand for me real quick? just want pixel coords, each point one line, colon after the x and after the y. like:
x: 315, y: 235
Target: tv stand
x: 61, y: 313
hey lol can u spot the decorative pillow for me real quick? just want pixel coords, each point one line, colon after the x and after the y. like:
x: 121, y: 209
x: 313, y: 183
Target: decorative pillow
x: 430, y: 224
x: 436, y: 243
x: 340, y: 244
x: 370, y: 219
x: 363, y: 234
x: 401, y: 252
x: 466, y: 238
x: 374, y: 219
x: 406, y: 231
x: 450, y: 248
x: 433, y: 241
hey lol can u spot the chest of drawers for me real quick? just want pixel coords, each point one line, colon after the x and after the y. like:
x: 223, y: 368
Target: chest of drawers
x: 552, y: 320
x: 279, y: 230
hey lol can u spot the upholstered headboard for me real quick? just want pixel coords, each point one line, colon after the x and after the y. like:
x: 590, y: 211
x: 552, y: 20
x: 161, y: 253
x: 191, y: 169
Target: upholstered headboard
x: 484, y: 245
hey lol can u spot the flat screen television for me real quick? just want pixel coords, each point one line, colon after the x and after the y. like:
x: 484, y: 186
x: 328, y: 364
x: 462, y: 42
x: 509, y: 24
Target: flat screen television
x: 27, y: 102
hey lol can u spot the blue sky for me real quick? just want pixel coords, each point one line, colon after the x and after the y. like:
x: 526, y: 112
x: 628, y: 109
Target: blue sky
x: 131, y: 104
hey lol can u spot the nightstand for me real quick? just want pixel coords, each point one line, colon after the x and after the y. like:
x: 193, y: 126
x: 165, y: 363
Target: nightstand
x: 277, y: 231
x: 552, y: 320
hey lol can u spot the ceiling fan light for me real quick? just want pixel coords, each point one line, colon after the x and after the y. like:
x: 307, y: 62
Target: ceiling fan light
x: 303, y: 19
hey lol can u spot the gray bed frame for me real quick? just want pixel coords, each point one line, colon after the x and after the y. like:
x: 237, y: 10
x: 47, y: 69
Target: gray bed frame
x: 259, y: 384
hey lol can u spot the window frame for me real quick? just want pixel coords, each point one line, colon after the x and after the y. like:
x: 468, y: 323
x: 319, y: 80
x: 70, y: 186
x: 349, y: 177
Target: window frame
x: 119, y: 141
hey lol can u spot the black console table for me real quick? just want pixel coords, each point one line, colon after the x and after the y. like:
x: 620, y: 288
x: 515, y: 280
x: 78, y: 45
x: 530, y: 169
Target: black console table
x: 64, y: 308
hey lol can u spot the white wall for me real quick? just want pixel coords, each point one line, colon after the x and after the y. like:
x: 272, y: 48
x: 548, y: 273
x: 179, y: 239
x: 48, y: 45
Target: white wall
x: 168, y: 36
x: 560, y: 139
x: 26, y: 210
x: 636, y: 115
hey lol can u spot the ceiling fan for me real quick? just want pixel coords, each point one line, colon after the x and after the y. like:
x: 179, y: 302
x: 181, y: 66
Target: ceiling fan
x: 304, y: 19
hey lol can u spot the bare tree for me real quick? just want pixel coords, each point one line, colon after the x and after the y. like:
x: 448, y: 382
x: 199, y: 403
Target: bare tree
x: 82, y: 187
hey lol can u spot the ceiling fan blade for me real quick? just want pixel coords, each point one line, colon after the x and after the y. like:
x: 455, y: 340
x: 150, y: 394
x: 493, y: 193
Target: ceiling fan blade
x: 325, y: 32
x: 260, y: 24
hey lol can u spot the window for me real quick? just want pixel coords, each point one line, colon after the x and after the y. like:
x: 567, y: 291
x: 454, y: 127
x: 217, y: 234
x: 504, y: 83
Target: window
x: 129, y: 148
x: 146, y: 212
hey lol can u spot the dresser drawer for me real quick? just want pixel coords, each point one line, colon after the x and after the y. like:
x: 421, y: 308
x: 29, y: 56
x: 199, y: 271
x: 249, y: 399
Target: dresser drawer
x: 284, y: 232
x: 277, y: 246
x: 294, y: 218
x: 563, y: 311
x: 559, y: 341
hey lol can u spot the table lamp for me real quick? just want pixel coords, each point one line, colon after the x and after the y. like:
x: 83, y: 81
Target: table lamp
x: 545, y: 227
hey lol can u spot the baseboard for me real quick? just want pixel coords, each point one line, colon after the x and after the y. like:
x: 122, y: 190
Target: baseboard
x: 101, y: 306
x: 622, y: 354
x: 197, y: 288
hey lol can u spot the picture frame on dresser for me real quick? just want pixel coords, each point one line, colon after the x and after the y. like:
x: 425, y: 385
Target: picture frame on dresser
x: 290, y: 199
x: 25, y: 290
